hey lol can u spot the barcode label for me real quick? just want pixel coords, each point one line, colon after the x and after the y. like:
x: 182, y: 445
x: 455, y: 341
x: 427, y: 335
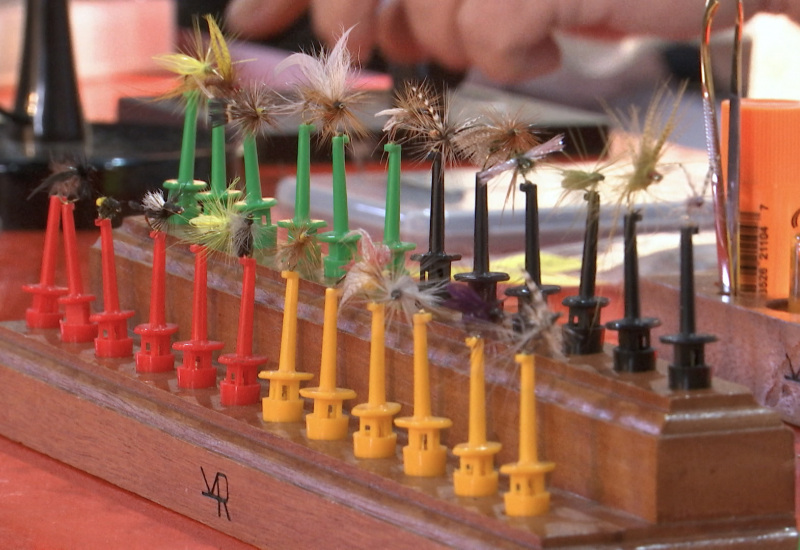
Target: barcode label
x: 753, y: 241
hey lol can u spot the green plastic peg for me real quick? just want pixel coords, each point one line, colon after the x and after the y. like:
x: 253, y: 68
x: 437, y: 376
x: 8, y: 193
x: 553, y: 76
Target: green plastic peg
x: 184, y: 189
x: 341, y: 243
x: 219, y: 175
x: 303, y: 185
x: 391, y: 225
x: 258, y: 206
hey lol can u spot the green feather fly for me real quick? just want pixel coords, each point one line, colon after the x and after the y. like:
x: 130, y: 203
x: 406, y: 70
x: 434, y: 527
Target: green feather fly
x: 222, y: 227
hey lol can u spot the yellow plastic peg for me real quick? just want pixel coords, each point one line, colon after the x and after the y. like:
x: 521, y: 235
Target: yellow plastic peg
x: 328, y: 422
x: 476, y: 475
x: 375, y: 438
x: 424, y: 456
x: 284, y: 404
x: 527, y: 495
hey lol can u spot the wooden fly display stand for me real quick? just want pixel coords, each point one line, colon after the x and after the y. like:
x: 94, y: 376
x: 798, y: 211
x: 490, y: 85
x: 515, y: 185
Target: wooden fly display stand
x: 636, y: 464
x: 759, y: 340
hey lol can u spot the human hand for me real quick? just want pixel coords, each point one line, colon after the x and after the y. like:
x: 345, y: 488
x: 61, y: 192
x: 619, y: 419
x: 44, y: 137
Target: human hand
x: 507, y: 40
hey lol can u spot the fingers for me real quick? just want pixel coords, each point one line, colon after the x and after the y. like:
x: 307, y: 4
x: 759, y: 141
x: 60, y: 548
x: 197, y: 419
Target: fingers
x: 331, y: 18
x: 510, y: 40
x: 395, y: 39
x: 262, y: 18
x: 513, y: 39
x: 434, y: 28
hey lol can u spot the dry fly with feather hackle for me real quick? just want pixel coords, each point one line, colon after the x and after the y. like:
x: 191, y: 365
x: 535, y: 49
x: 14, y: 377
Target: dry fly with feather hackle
x: 521, y: 163
x: 498, y: 136
x: 203, y: 65
x: 251, y: 110
x: 300, y: 251
x: 422, y: 118
x: 581, y: 174
x: 372, y: 279
x: 157, y: 209
x: 533, y: 328
x: 647, y: 141
x: 328, y: 94
x: 71, y: 180
x: 108, y: 208
x: 223, y: 227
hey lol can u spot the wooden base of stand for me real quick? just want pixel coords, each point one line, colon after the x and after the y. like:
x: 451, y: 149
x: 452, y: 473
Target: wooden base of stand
x: 759, y: 341
x: 636, y: 464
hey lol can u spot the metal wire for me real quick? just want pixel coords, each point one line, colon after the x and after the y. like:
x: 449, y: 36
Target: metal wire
x: 726, y: 202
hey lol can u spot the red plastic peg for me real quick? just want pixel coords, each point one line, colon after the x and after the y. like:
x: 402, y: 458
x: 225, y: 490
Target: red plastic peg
x: 240, y: 386
x: 44, y: 312
x: 112, y: 323
x: 197, y: 370
x: 76, y: 327
x: 155, y: 353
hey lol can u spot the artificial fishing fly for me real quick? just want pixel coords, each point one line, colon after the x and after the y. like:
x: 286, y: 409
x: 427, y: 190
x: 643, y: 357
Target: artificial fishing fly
x: 371, y: 279
x: 202, y: 65
x: 108, y: 208
x: 524, y: 163
x: 648, y: 142
x: 223, y: 227
x: 422, y: 119
x: 497, y: 137
x: 581, y: 180
x: 521, y: 164
x: 301, y: 251
x: 476, y: 311
x: 251, y: 110
x: 71, y: 180
x: 533, y: 329
x: 157, y: 210
x: 328, y: 95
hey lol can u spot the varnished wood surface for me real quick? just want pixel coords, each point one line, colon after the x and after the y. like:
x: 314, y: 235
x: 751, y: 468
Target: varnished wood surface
x: 767, y: 339
x: 646, y: 393
x: 622, y: 442
x: 629, y: 412
x: 167, y: 444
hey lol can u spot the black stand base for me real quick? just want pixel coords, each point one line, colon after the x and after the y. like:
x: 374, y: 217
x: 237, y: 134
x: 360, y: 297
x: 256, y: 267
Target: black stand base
x: 688, y: 370
x: 641, y: 360
x: 583, y: 333
x: 582, y: 341
x: 689, y: 378
x: 522, y: 292
x: 484, y: 284
x: 435, y: 267
x: 634, y: 353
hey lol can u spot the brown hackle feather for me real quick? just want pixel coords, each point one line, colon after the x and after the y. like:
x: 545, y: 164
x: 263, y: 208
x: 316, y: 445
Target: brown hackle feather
x: 300, y: 252
x: 498, y: 136
x: 252, y: 109
x: 422, y: 119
